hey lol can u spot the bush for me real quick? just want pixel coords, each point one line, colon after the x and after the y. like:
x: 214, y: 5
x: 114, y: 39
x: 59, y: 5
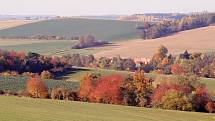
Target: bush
x: 1, y: 92
x: 23, y: 93
x: 46, y: 75
x: 200, y: 99
x: 88, y: 41
x: 178, y: 69
x: 210, y: 107
x: 174, y: 100
x: 60, y: 94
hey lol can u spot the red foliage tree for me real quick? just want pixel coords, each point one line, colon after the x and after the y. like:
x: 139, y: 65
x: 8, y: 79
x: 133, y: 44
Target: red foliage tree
x: 161, y: 90
x: 210, y: 107
x: 178, y: 69
x: 201, y: 98
x: 107, y: 90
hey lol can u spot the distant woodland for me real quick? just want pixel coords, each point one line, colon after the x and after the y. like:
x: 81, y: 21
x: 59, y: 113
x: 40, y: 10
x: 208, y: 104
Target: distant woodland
x: 164, y: 28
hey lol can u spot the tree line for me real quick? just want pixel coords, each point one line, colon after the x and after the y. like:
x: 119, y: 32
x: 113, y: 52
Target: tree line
x: 200, y: 64
x: 183, y: 93
x: 15, y: 63
x: 165, y: 28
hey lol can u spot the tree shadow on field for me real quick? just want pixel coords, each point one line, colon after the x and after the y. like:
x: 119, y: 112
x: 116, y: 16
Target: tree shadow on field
x: 70, y: 71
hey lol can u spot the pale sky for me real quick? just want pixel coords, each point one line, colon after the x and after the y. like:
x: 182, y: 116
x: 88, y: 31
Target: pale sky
x: 101, y: 7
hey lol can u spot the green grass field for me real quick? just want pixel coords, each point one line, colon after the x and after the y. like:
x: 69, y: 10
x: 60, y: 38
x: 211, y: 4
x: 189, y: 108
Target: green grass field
x: 28, y: 109
x: 78, y: 72
x: 49, y: 47
x: 15, y: 84
x: 102, y: 29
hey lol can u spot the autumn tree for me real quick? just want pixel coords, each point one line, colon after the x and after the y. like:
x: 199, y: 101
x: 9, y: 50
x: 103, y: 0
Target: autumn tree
x: 36, y: 87
x: 136, y: 90
x: 200, y: 99
x: 210, y: 107
x: 176, y: 100
x: 107, y: 90
x: 46, y: 75
x: 178, y: 69
x: 87, y: 85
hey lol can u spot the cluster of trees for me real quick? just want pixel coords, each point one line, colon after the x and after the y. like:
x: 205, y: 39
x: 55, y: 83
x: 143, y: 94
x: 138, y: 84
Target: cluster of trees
x: 88, y: 41
x: 14, y: 63
x: 115, y: 63
x: 200, y: 64
x: 164, y: 28
x: 182, y: 93
x: 41, y: 37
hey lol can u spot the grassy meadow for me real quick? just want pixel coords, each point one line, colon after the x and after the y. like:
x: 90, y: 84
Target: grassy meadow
x: 15, y: 84
x: 52, y: 110
x: 108, y: 30
x: 44, y: 47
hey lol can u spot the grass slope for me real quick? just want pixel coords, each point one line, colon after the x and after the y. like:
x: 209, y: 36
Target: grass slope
x: 196, y: 40
x: 27, y: 109
x: 44, y: 47
x: 5, y: 24
x: 101, y: 29
x: 15, y: 84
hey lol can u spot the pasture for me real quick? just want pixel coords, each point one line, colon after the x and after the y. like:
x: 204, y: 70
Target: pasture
x: 15, y: 84
x: 108, y: 30
x: 5, y: 24
x: 44, y: 47
x: 28, y: 109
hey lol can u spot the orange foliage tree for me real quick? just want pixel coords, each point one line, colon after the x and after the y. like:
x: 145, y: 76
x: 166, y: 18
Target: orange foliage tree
x: 37, y: 88
x: 100, y: 89
x: 87, y: 85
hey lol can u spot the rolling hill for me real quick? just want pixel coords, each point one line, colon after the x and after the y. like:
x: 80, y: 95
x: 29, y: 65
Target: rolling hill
x: 102, y: 29
x: 27, y: 109
x: 196, y: 40
x: 5, y: 24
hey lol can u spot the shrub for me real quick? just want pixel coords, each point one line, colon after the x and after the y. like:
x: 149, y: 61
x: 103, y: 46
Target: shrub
x: 178, y: 69
x: 23, y: 93
x: 175, y: 100
x: 1, y: 92
x: 37, y: 88
x: 46, y: 75
x: 200, y: 99
x: 88, y: 41
x: 60, y: 94
x: 210, y: 107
